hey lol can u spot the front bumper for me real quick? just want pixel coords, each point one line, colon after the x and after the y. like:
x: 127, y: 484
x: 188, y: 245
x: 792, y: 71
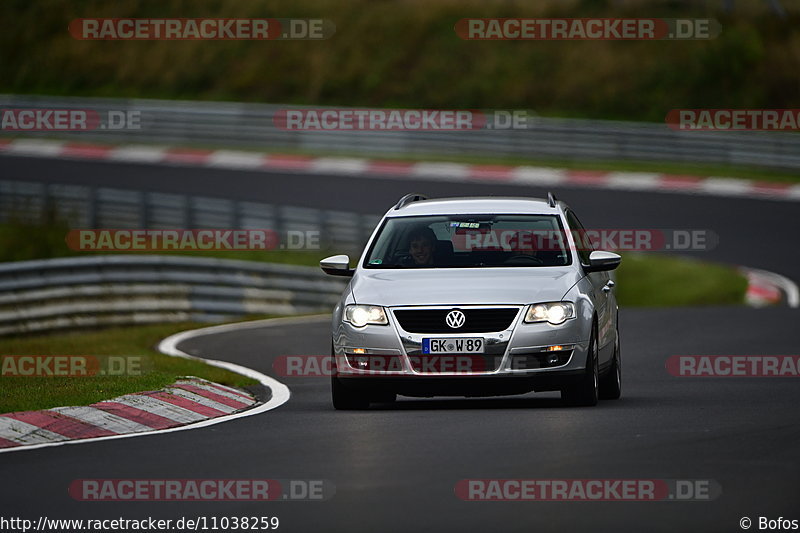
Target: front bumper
x: 515, y: 359
x: 499, y: 384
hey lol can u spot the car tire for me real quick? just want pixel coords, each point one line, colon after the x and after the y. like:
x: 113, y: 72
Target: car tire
x: 611, y: 384
x: 585, y: 392
x: 345, y: 399
x: 383, y: 397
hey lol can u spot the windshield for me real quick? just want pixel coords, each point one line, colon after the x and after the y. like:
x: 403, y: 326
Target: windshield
x: 464, y: 241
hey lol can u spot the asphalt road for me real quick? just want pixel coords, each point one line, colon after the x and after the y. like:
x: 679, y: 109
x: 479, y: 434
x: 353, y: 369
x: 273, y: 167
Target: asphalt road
x: 395, y: 467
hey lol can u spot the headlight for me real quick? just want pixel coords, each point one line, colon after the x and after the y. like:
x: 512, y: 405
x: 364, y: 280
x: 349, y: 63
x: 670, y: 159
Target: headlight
x: 361, y: 315
x: 553, y: 312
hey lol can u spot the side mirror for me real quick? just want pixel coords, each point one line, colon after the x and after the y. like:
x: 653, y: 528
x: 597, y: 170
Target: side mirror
x: 337, y: 265
x: 600, y: 261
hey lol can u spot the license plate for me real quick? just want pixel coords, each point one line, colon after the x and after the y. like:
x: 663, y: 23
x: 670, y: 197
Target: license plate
x: 453, y: 345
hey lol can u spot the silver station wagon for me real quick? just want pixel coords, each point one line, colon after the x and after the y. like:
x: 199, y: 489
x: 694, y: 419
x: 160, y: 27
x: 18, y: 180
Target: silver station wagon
x: 476, y: 297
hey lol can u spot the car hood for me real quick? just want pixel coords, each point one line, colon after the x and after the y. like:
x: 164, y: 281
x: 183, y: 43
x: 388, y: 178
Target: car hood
x: 462, y: 286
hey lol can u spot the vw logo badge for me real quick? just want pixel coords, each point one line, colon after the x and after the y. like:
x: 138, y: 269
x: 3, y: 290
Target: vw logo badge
x: 455, y: 319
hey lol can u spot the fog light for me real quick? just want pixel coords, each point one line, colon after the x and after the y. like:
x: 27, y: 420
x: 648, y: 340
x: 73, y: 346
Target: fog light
x: 552, y: 360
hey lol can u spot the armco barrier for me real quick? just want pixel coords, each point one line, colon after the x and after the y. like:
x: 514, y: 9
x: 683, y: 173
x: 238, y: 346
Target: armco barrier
x: 102, y: 290
x: 243, y: 125
x: 106, y: 207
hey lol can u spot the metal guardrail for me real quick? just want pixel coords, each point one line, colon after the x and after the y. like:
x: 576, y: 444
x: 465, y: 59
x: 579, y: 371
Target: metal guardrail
x: 104, y: 207
x: 93, y: 291
x: 251, y: 126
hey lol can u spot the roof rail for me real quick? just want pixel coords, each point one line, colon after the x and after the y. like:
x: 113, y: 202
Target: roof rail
x: 409, y: 198
x: 551, y: 199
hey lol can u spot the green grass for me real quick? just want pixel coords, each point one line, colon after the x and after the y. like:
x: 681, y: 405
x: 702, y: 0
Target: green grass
x: 29, y: 393
x: 645, y: 280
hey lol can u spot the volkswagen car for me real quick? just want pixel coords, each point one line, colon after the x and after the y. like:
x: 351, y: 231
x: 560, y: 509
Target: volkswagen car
x: 471, y: 297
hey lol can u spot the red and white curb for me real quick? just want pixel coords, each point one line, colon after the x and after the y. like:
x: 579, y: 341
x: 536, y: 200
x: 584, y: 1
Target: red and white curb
x: 186, y: 401
x: 188, y: 404
x: 357, y: 167
x: 766, y: 288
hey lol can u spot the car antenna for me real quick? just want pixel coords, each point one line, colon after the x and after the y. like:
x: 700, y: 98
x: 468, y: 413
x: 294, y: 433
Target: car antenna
x: 551, y: 199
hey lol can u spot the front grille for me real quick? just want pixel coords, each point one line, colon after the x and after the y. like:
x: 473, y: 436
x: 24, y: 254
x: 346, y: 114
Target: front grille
x: 477, y: 320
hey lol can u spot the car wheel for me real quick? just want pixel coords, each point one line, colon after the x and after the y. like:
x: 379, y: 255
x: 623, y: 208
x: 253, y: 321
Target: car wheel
x: 611, y: 384
x: 345, y: 399
x: 586, y: 392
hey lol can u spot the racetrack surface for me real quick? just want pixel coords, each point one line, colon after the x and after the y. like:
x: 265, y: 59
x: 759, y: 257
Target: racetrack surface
x: 395, y: 467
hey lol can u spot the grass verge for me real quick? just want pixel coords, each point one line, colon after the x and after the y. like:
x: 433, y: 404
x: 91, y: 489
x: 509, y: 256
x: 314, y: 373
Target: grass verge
x: 671, y: 281
x: 159, y: 370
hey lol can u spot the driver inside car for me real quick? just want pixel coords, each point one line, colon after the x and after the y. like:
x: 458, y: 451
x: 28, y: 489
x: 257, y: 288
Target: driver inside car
x: 421, y: 246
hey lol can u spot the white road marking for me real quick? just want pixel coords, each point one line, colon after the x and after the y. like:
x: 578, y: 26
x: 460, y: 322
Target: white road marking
x: 636, y: 181
x: 538, y: 176
x: 137, y: 154
x: 235, y: 159
x: 442, y: 171
x: 339, y: 165
x: 726, y: 186
x: 38, y: 147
